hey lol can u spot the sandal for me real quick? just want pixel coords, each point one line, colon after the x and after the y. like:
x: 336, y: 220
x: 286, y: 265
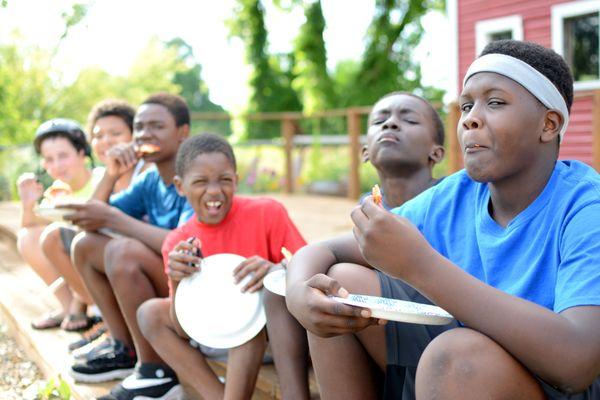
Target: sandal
x: 50, y: 321
x: 76, y: 322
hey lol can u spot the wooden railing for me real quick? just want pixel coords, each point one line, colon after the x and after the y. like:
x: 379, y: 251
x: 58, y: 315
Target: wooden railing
x: 290, y: 127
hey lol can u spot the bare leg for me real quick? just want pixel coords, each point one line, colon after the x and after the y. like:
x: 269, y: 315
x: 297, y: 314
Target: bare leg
x: 88, y: 258
x: 136, y: 274
x: 465, y: 364
x: 54, y: 251
x: 356, y: 353
x: 189, y: 364
x: 243, y: 366
x: 28, y: 244
x: 290, y: 348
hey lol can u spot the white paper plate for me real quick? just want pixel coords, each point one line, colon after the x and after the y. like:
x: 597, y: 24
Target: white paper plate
x: 399, y: 310
x: 52, y: 213
x: 275, y: 282
x: 213, y: 311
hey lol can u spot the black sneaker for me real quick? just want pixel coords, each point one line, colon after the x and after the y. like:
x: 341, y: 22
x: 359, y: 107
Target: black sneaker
x: 150, y: 381
x: 106, y: 364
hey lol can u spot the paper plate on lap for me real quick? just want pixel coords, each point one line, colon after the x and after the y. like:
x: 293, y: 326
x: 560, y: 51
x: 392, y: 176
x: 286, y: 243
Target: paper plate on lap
x: 213, y: 311
x: 51, y: 213
x: 399, y: 310
x: 275, y: 282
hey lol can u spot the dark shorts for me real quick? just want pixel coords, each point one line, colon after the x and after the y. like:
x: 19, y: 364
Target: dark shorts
x: 66, y: 236
x: 406, y: 342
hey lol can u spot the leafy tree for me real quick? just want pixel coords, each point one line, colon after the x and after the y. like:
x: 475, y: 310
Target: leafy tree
x: 270, y: 81
x: 194, y: 89
x: 387, y: 62
x: 312, y: 81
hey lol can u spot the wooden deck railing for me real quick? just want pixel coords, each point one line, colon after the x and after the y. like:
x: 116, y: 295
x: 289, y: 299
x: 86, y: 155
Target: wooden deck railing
x: 290, y: 127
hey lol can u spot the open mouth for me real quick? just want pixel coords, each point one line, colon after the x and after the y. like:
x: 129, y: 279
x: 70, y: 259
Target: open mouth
x: 213, y: 207
x: 474, y: 147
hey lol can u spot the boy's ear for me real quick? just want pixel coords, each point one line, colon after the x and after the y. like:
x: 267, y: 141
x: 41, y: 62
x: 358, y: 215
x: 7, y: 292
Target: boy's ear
x: 553, y: 122
x: 365, y: 154
x: 184, y: 132
x: 437, y: 153
x: 178, y: 185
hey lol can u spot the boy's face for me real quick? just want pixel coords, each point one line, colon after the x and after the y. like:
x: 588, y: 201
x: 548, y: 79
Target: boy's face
x: 153, y: 123
x: 500, y: 127
x: 400, y: 133
x: 60, y: 159
x: 209, y: 185
x: 107, y: 132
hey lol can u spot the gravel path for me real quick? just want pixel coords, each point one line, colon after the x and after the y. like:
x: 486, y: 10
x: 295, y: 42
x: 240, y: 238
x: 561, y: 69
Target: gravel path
x: 16, y: 371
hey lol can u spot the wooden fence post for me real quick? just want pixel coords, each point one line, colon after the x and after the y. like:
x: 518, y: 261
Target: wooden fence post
x: 354, y: 131
x: 454, y: 152
x: 596, y: 131
x: 287, y: 133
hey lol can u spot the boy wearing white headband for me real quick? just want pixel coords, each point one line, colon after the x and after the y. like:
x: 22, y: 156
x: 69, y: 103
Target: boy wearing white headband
x: 510, y: 246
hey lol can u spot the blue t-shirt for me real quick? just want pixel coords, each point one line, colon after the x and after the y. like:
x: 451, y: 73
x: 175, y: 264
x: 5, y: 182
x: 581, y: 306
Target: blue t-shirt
x: 548, y: 254
x: 149, y: 196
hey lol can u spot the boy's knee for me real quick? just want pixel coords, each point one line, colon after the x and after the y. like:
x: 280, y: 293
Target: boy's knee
x: 82, y: 246
x: 25, y: 239
x: 152, y: 315
x: 121, y: 258
x: 50, y: 239
x: 458, y: 355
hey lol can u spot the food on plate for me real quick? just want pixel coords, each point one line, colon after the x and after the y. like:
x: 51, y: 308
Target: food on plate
x: 58, y: 193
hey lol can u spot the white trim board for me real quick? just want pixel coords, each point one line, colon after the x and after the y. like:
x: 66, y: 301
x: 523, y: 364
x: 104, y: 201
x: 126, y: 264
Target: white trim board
x: 487, y: 27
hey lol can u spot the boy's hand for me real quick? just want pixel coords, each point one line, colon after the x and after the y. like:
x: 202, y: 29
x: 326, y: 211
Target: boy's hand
x: 182, y: 262
x: 90, y: 216
x: 30, y: 190
x: 257, y: 267
x: 388, y: 242
x: 311, y: 304
x: 120, y: 159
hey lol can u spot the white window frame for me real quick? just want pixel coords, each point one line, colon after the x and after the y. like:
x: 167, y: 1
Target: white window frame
x: 485, y: 28
x: 567, y: 10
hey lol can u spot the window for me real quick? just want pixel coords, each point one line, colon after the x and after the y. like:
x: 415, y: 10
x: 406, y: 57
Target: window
x: 575, y: 35
x: 489, y: 30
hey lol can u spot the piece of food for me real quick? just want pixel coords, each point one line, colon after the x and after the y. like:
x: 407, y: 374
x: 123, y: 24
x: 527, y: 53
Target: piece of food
x: 147, y: 148
x: 58, y: 193
x: 376, y: 192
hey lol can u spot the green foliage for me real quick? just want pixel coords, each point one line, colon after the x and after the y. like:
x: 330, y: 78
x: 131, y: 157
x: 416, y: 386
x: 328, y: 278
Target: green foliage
x: 72, y: 17
x: 312, y: 81
x: 55, y: 389
x: 270, y: 79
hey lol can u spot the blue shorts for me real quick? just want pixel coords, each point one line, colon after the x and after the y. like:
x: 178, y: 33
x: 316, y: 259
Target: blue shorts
x: 406, y: 342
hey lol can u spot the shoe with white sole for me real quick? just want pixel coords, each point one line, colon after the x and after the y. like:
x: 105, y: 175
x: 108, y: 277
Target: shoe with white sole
x: 107, y: 363
x: 149, y: 382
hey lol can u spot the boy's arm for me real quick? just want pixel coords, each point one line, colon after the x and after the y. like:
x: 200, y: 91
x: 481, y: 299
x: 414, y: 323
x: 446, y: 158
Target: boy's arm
x: 120, y: 159
x: 308, y: 288
x: 562, y: 349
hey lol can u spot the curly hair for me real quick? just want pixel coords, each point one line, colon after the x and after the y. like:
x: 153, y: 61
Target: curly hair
x: 111, y: 107
x: 202, y: 144
x: 545, y: 60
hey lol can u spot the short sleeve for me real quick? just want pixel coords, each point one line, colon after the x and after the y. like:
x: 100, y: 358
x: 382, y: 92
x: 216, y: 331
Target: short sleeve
x: 131, y: 200
x: 283, y: 233
x: 578, y: 277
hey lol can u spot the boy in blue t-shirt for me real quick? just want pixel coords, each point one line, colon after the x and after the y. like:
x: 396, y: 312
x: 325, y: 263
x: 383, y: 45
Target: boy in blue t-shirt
x: 510, y: 247
x: 123, y: 272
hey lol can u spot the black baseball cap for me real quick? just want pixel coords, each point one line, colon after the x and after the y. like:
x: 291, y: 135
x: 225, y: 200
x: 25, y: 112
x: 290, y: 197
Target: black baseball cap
x: 62, y: 127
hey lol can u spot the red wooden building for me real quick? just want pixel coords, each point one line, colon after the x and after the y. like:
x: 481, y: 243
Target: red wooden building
x: 570, y: 28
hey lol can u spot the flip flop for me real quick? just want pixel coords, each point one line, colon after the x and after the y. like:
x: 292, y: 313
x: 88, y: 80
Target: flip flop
x: 89, y: 336
x: 76, y: 322
x: 50, y: 321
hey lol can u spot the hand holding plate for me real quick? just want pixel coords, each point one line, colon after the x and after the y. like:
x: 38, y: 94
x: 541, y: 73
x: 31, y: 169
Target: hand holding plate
x: 311, y: 303
x: 89, y: 216
x: 256, y: 267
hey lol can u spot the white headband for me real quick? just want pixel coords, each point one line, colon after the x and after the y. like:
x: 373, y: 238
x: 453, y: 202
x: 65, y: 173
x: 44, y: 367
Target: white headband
x: 528, y: 77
